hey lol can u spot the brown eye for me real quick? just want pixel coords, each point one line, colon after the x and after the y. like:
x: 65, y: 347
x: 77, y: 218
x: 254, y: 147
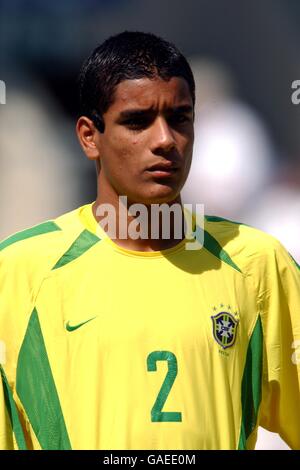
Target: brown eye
x: 179, y: 119
x: 137, y: 123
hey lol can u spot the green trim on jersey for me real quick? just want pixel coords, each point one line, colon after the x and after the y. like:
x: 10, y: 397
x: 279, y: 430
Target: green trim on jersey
x: 297, y: 265
x: 82, y: 243
x: 40, y: 229
x: 213, y: 246
x: 34, y: 379
x: 13, y: 413
x: 251, y: 384
x: 215, y: 218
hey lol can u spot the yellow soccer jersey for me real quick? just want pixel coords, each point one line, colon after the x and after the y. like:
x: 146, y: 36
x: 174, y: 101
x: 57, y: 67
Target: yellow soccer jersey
x: 107, y: 348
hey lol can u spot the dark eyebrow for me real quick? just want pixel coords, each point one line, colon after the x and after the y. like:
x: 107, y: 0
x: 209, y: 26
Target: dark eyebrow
x: 133, y: 113
x: 130, y: 113
x: 186, y: 108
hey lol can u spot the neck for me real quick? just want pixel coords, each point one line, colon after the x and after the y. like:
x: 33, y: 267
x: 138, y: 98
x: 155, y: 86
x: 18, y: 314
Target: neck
x: 139, y: 227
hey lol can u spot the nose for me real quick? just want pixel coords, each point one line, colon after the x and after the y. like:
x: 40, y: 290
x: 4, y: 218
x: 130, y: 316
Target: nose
x: 162, y: 137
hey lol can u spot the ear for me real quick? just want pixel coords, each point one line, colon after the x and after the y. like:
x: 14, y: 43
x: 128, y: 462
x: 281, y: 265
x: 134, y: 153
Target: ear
x: 89, y: 137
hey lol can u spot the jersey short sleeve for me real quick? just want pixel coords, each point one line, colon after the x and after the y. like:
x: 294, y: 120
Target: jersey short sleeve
x: 6, y: 433
x: 280, y: 300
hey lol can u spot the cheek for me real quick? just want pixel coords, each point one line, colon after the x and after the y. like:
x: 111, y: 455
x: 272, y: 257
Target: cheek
x: 123, y: 155
x: 186, y: 145
x: 130, y: 148
x: 115, y: 150
x: 190, y: 144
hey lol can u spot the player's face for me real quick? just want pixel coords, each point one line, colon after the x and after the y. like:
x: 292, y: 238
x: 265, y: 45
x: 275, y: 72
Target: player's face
x: 146, y: 148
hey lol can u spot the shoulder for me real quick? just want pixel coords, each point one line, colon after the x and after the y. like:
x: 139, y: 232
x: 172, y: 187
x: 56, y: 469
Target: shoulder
x: 251, y: 248
x: 26, y: 258
x: 35, y: 250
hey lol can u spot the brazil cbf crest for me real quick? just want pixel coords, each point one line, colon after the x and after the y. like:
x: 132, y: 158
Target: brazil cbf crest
x: 224, y: 329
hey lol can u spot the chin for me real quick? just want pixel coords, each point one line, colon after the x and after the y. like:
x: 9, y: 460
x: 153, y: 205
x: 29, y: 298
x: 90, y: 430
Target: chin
x: 160, y: 197
x: 155, y: 194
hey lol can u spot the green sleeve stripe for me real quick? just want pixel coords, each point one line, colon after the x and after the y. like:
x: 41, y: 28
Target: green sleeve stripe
x: 13, y: 413
x: 214, y: 218
x: 251, y: 385
x: 211, y: 244
x: 297, y: 265
x: 82, y: 243
x: 46, y: 227
x: 37, y: 391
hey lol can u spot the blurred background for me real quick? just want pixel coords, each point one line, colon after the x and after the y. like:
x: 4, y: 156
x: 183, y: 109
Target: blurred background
x: 245, y: 56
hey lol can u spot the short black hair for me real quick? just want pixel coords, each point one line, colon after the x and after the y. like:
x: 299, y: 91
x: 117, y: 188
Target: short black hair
x: 128, y: 55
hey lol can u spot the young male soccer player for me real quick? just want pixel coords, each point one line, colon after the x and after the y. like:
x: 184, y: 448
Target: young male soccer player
x: 140, y: 343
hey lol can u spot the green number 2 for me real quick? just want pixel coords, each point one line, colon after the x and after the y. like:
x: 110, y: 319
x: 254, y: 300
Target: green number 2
x: 156, y: 414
